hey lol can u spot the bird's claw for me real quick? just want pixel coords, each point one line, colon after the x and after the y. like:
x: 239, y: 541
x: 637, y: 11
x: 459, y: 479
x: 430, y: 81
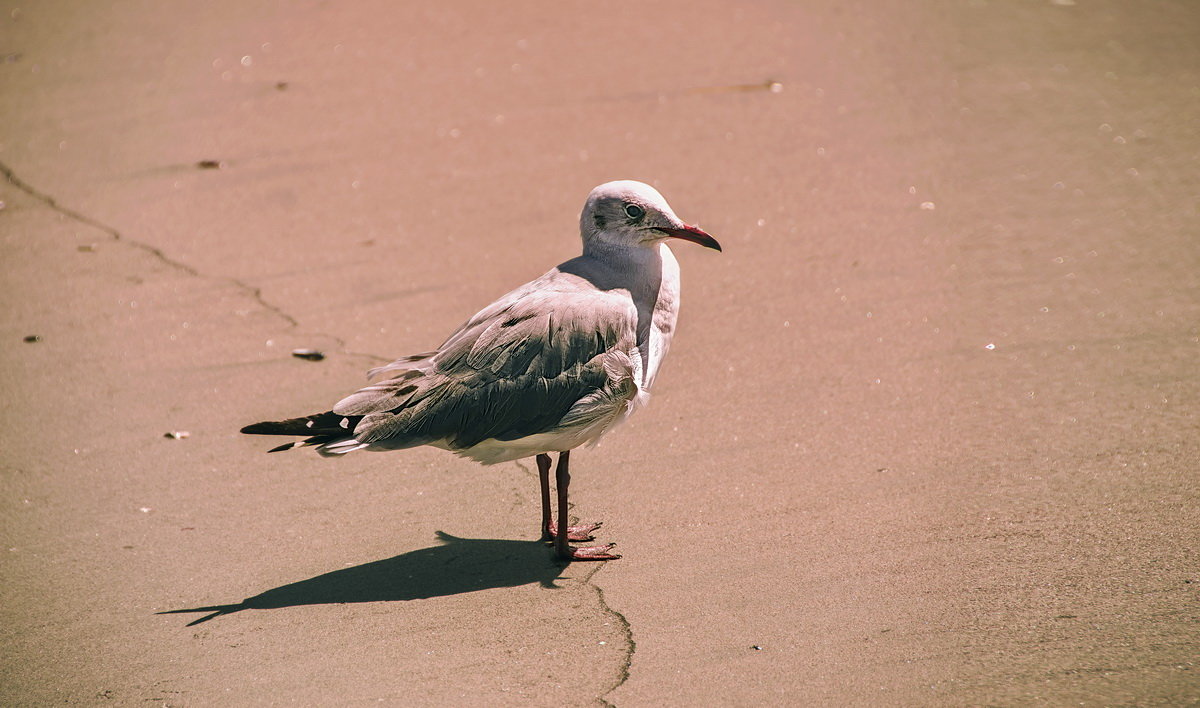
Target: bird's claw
x: 588, y: 553
x: 582, y: 532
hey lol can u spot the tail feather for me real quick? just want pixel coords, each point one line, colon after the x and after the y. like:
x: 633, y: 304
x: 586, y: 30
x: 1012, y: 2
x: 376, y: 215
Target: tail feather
x: 333, y: 447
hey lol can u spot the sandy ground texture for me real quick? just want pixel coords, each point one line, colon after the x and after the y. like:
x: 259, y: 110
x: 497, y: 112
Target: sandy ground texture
x: 927, y: 436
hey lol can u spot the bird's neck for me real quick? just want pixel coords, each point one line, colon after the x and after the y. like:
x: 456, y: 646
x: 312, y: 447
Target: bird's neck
x: 638, y: 270
x: 636, y: 261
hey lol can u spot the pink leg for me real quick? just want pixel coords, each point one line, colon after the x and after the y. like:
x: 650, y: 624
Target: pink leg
x: 562, y: 478
x: 582, y: 532
x: 543, y: 463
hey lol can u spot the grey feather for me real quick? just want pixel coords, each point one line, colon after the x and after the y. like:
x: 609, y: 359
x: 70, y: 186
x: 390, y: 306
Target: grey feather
x: 383, y: 396
x: 514, y: 369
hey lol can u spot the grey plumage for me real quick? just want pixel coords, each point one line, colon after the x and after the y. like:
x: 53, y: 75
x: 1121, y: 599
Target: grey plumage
x: 515, y: 369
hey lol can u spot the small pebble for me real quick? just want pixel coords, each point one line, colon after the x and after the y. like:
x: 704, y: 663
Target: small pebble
x: 309, y: 354
x: 177, y: 434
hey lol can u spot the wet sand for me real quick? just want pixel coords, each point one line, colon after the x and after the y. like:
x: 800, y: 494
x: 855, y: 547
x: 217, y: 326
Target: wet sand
x: 927, y: 435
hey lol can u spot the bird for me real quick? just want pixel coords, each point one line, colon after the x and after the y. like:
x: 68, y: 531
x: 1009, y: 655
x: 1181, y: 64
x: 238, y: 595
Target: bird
x: 551, y: 366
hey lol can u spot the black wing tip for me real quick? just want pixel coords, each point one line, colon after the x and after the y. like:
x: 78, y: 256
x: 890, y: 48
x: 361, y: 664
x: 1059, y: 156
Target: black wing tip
x: 307, y: 425
x: 317, y: 429
x: 276, y: 427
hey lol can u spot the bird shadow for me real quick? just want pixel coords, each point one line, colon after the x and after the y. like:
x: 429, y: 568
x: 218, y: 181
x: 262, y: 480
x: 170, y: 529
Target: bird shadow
x: 455, y: 566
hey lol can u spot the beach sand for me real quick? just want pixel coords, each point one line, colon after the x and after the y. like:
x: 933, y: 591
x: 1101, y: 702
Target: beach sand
x: 927, y: 434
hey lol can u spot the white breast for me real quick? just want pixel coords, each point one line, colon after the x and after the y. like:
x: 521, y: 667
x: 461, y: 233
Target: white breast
x: 665, y: 312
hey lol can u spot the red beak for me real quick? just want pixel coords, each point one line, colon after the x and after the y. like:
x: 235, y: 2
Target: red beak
x: 693, y: 234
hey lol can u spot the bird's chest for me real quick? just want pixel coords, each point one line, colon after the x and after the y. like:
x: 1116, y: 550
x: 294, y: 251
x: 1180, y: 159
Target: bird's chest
x: 661, y: 309
x: 664, y: 313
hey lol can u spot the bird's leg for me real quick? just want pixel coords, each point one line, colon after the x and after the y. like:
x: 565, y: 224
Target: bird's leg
x: 582, y: 532
x: 562, y: 480
x: 543, y: 463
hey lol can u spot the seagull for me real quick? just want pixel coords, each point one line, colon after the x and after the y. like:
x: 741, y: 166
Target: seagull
x: 551, y: 366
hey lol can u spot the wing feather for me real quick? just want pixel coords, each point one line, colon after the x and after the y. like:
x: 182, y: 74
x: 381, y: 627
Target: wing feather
x: 514, y: 369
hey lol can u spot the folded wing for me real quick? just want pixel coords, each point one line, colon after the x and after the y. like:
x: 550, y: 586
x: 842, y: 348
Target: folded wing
x: 514, y: 370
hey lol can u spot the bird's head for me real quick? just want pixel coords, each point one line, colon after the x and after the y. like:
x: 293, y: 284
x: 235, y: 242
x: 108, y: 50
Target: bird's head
x: 629, y: 214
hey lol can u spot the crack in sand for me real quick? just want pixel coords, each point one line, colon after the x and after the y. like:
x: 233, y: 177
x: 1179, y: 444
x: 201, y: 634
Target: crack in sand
x: 70, y: 213
x: 255, y: 293
x: 605, y: 609
x: 626, y: 630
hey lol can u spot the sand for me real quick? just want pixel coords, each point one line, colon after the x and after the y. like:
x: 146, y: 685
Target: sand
x: 927, y: 435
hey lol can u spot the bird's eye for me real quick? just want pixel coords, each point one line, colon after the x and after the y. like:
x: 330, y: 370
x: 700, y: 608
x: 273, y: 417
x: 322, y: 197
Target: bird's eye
x: 633, y: 211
